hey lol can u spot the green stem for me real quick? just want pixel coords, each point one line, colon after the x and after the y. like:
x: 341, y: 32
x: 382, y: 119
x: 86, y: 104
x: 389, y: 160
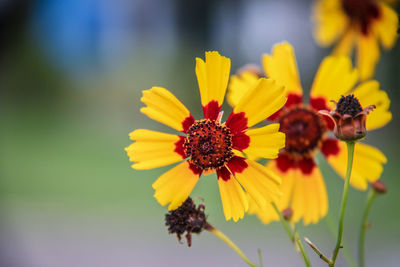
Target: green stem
x: 350, y: 153
x: 363, y: 228
x: 303, y: 251
x: 293, y: 237
x: 284, y: 223
x: 230, y: 243
x: 316, y: 250
x: 346, y: 251
x: 260, y: 257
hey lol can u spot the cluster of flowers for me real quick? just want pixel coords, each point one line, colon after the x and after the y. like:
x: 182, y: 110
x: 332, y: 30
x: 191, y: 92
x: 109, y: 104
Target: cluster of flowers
x: 340, y: 98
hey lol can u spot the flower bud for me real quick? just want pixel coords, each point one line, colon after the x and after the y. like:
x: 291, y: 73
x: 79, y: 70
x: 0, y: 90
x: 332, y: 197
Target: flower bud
x: 287, y: 214
x: 379, y: 187
x: 250, y: 68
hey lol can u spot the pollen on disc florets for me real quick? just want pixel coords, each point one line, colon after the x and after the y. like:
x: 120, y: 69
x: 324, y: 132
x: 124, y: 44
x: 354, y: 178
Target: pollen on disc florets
x: 304, y: 129
x: 208, y: 144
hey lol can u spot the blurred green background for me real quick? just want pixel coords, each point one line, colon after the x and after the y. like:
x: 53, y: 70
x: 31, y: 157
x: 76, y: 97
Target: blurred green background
x: 71, y: 75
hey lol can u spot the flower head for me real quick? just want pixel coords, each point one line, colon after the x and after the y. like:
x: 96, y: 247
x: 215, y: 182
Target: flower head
x: 307, y: 131
x: 210, y: 145
x: 349, y: 118
x: 187, y: 218
x: 359, y: 24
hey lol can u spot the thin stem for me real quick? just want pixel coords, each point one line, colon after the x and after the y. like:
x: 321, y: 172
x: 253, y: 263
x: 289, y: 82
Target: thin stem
x: 363, y: 228
x: 293, y: 237
x: 296, y: 236
x: 260, y: 257
x: 350, y: 153
x: 303, y: 251
x: 230, y: 243
x: 284, y: 223
x: 347, y: 253
x: 316, y: 250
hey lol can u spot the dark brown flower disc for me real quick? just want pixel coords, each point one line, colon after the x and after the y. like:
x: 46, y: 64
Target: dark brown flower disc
x: 208, y: 144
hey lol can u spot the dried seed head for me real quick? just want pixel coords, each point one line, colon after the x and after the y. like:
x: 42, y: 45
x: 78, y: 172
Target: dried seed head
x: 349, y: 118
x: 348, y: 105
x: 187, y: 218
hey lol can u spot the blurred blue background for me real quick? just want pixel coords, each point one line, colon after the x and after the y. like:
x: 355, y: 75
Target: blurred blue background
x: 71, y: 75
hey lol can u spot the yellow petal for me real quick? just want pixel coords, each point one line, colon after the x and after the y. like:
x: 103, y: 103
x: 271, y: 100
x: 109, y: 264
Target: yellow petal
x: 261, y: 101
x: 212, y: 77
x: 310, y: 199
x: 346, y: 43
x: 367, y: 164
x: 260, y: 183
x: 305, y: 194
x: 175, y: 186
x: 164, y: 107
x: 266, y: 214
x: 386, y: 26
x: 367, y: 55
x: 335, y: 77
x: 233, y: 198
x: 239, y: 85
x: 369, y: 93
x: 330, y: 21
x: 152, y: 149
x: 265, y: 142
x: 288, y: 179
x: 281, y: 66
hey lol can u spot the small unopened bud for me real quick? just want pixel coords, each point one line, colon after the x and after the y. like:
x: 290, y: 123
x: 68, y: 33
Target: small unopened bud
x: 187, y: 218
x: 250, y: 68
x: 379, y: 187
x: 287, y: 214
x: 349, y: 118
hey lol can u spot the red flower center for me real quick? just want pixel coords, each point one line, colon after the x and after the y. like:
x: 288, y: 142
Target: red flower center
x: 208, y: 144
x: 361, y: 12
x: 304, y: 129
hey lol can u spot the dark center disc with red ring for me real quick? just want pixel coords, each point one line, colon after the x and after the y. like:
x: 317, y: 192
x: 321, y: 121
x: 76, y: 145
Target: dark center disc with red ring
x: 303, y: 128
x: 208, y: 144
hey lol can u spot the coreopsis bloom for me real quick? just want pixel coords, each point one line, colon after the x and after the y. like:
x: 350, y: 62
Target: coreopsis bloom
x: 359, y: 24
x: 307, y: 131
x: 208, y: 145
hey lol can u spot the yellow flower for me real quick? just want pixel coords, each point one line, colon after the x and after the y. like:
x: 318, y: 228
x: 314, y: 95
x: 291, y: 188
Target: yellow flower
x: 208, y: 145
x: 362, y: 24
x: 306, y: 131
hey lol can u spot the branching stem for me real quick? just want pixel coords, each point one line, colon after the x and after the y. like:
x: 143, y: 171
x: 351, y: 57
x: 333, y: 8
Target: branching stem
x: 316, y: 250
x: 294, y: 237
